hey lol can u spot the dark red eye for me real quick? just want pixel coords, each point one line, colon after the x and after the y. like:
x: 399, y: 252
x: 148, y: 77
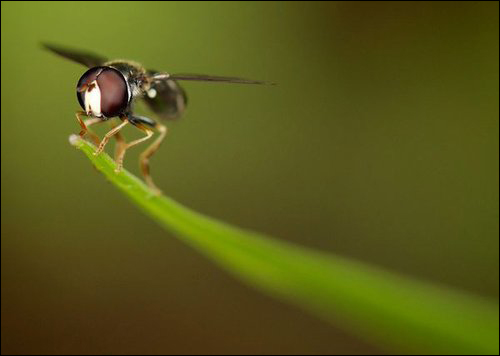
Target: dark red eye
x: 103, y: 92
x: 87, y: 78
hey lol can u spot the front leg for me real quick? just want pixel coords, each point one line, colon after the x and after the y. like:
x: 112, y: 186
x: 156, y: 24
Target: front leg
x: 85, y: 124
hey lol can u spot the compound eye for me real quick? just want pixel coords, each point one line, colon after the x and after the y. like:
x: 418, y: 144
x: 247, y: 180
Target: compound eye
x: 84, y: 82
x: 103, y: 92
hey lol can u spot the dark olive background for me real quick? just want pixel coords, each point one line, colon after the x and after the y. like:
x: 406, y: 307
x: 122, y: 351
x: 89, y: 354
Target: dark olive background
x: 379, y: 143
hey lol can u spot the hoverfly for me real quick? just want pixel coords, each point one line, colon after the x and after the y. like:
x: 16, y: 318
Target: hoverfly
x: 109, y: 88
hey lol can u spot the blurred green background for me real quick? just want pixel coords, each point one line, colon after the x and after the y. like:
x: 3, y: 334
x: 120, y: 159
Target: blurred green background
x: 379, y: 143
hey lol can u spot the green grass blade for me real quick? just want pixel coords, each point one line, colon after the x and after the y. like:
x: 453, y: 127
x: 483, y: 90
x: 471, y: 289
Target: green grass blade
x: 386, y: 308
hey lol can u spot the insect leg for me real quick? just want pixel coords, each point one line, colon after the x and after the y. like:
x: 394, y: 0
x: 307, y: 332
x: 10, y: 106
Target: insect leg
x: 121, y: 154
x: 85, y: 124
x: 147, y: 125
x: 144, y: 158
x: 109, y: 134
x: 120, y: 143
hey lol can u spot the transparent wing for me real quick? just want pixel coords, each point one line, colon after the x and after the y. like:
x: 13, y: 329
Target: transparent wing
x: 215, y: 78
x: 166, y: 97
x: 87, y: 59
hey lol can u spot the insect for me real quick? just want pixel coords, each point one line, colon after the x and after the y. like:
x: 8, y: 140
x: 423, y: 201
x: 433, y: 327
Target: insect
x: 109, y: 88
